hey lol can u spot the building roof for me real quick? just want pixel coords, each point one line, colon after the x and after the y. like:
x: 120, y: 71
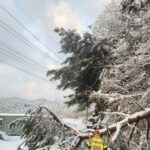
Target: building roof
x: 9, y: 114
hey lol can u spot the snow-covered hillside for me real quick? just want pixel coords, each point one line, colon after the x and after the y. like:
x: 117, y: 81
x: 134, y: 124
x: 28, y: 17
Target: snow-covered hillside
x: 20, y: 105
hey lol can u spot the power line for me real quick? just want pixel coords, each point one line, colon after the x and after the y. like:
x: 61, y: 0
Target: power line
x: 20, y: 37
x: 25, y: 28
x: 26, y: 58
x: 16, y: 58
x: 23, y: 39
x: 32, y: 20
x: 20, y: 69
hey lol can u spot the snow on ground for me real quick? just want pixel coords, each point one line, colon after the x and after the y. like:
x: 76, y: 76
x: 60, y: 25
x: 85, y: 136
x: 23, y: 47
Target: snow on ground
x: 14, y: 141
x: 11, y: 144
x: 76, y: 124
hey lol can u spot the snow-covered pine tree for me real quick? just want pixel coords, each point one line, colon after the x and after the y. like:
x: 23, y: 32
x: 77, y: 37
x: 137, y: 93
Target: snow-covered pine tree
x: 125, y: 87
x: 128, y: 77
x: 81, y: 70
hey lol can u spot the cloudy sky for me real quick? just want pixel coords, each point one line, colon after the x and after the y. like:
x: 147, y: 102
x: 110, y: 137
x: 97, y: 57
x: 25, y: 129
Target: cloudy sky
x: 28, y: 43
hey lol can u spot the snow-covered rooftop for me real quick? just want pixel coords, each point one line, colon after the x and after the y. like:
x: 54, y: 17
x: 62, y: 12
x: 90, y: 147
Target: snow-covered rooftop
x: 9, y: 114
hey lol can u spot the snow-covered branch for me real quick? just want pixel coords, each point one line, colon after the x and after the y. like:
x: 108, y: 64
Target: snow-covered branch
x: 118, y: 129
x: 110, y: 98
x: 115, y: 113
x: 121, y: 124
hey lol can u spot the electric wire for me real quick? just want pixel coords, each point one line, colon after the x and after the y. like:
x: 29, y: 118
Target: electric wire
x: 16, y: 58
x: 25, y: 28
x: 36, y: 64
x: 24, y: 40
x: 20, y: 69
x: 32, y: 20
x: 16, y: 55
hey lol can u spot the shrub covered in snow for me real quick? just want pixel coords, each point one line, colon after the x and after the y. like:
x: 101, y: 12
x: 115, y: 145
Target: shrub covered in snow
x: 3, y: 136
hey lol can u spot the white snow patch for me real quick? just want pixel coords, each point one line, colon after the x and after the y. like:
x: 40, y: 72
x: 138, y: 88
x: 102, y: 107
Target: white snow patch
x: 3, y: 135
x: 11, y: 144
x: 76, y: 124
x: 10, y: 114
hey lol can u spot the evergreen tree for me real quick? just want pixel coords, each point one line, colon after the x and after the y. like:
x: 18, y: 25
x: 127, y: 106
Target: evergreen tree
x: 125, y: 86
x: 41, y: 130
x: 81, y: 70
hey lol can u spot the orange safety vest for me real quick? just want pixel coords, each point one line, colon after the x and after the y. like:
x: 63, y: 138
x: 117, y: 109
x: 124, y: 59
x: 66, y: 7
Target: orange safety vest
x: 96, y: 143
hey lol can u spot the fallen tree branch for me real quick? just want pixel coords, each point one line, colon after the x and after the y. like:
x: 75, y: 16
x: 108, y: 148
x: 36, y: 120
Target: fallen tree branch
x: 128, y: 120
x: 131, y: 119
x: 115, y: 113
x: 58, y: 120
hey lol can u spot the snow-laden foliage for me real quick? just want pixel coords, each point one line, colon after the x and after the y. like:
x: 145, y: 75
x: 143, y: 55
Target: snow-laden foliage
x: 123, y: 131
x: 125, y: 86
x: 108, y: 23
x: 111, y: 69
x: 81, y: 70
x: 42, y: 130
x: 128, y: 78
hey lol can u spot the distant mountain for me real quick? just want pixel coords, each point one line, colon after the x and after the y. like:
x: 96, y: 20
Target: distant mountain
x: 20, y: 105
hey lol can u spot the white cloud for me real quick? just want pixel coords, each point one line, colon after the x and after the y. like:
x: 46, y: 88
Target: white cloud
x: 62, y: 15
x: 34, y: 90
x: 53, y: 66
x: 6, y: 70
x: 46, y: 16
x: 19, y: 84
